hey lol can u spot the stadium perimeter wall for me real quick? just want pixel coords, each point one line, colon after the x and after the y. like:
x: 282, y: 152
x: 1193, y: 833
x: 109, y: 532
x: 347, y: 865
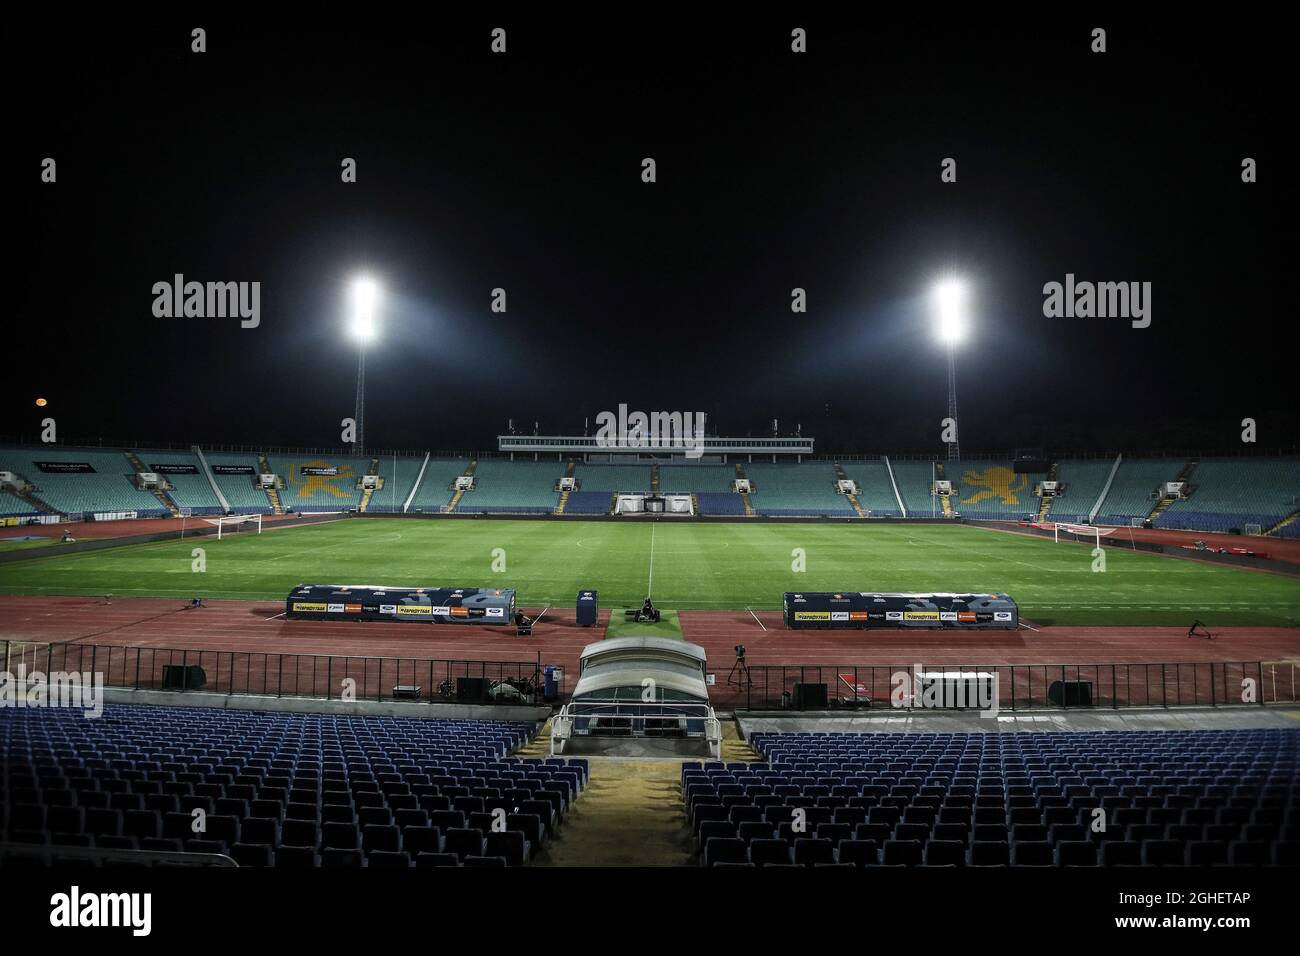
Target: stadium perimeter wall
x: 1283, y: 555
x: 194, y: 528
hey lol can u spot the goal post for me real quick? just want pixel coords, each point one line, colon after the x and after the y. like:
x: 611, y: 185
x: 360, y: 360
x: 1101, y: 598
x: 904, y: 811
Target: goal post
x: 1064, y: 530
x: 234, y: 523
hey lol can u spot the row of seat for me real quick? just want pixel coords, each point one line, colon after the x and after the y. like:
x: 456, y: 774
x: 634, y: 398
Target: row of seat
x: 282, y: 789
x: 722, y: 851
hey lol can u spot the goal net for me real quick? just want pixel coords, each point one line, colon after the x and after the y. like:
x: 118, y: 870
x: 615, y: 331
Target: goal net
x: 1085, y: 533
x: 230, y: 524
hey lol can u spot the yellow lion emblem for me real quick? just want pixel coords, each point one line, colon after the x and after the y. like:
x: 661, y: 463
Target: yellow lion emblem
x: 995, y: 482
x: 340, y: 484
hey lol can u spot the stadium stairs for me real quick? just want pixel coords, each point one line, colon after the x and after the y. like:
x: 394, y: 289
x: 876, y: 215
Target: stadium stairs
x: 272, y: 494
x: 632, y: 811
x: 945, y: 500
x: 1290, y: 519
x: 564, y: 495
x: 37, y: 504
x: 654, y: 479
x: 853, y: 499
x: 460, y: 492
x: 1045, y: 505
x: 163, y: 498
x: 1185, y: 476
x: 369, y: 493
x: 744, y: 497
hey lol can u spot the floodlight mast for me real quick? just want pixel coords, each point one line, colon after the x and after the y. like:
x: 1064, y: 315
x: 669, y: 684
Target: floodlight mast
x: 364, y: 294
x: 950, y: 303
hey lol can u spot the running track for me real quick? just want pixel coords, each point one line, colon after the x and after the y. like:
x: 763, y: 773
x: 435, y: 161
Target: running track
x: 258, y: 628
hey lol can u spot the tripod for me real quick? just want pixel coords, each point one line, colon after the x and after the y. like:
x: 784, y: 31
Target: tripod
x: 738, y: 676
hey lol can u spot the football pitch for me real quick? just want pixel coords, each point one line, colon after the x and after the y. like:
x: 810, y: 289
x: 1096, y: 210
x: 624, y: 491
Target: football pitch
x: 683, y: 566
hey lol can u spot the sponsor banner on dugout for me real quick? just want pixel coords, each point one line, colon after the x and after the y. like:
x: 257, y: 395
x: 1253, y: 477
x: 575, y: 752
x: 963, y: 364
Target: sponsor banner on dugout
x: 349, y: 602
x: 866, y: 609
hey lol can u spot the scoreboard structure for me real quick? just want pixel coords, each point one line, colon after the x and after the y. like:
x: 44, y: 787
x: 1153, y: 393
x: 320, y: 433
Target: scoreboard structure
x: 867, y: 610
x: 367, y: 602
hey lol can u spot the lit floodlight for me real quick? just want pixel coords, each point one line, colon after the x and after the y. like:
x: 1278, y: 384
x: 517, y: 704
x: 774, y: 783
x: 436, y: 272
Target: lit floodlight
x: 950, y: 308
x: 364, y: 295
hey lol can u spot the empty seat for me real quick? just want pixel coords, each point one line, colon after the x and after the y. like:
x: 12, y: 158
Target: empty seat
x: 989, y: 853
x: 945, y: 853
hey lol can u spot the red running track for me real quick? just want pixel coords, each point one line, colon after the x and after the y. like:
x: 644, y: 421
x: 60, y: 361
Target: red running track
x: 98, y: 530
x: 244, y: 631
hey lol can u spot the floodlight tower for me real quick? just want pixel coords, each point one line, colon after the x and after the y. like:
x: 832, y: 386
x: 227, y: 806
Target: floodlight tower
x: 364, y: 295
x: 950, y: 312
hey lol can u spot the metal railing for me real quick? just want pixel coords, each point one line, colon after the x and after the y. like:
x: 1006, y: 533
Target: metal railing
x: 1027, y: 686
x: 327, y: 676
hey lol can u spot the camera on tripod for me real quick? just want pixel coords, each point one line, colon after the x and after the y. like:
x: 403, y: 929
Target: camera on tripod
x: 739, y: 675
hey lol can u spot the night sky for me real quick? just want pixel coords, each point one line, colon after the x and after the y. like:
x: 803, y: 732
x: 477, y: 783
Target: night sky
x: 775, y: 171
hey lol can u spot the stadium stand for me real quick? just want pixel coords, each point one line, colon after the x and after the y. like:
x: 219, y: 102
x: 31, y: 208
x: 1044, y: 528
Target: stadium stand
x: 589, y: 503
x: 1227, y: 493
x: 399, y: 476
x: 435, y: 488
x: 282, y: 789
x: 875, y: 492
x: 613, y: 478
x: 805, y: 489
x: 188, y: 491
x: 11, y: 506
x: 1084, y: 481
x: 690, y: 479
x: 107, y: 488
x: 914, y: 478
x: 991, y: 490
x: 1133, y: 492
x: 311, y: 492
x: 977, y: 799
x: 241, y: 490
x: 517, y: 487
x: 720, y: 503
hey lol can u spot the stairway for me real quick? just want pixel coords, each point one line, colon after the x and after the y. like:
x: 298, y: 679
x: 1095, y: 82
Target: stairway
x: 744, y: 496
x: 1163, y: 504
x: 369, y: 493
x: 1289, y: 519
x: 564, y: 495
x: 1045, y: 505
x: 944, y: 500
x: 163, y: 498
x: 460, y: 492
x: 654, y: 479
x: 272, y: 494
x: 28, y: 496
x: 853, y: 499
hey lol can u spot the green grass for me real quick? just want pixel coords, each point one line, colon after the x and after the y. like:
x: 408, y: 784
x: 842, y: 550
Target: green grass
x: 666, y: 626
x: 13, y: 544
x: 695, y: 565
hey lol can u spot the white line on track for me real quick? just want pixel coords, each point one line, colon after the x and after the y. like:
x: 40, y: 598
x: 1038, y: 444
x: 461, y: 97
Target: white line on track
x: 1032, y: 628
x: 755, y: 617
x: 281, y: 614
